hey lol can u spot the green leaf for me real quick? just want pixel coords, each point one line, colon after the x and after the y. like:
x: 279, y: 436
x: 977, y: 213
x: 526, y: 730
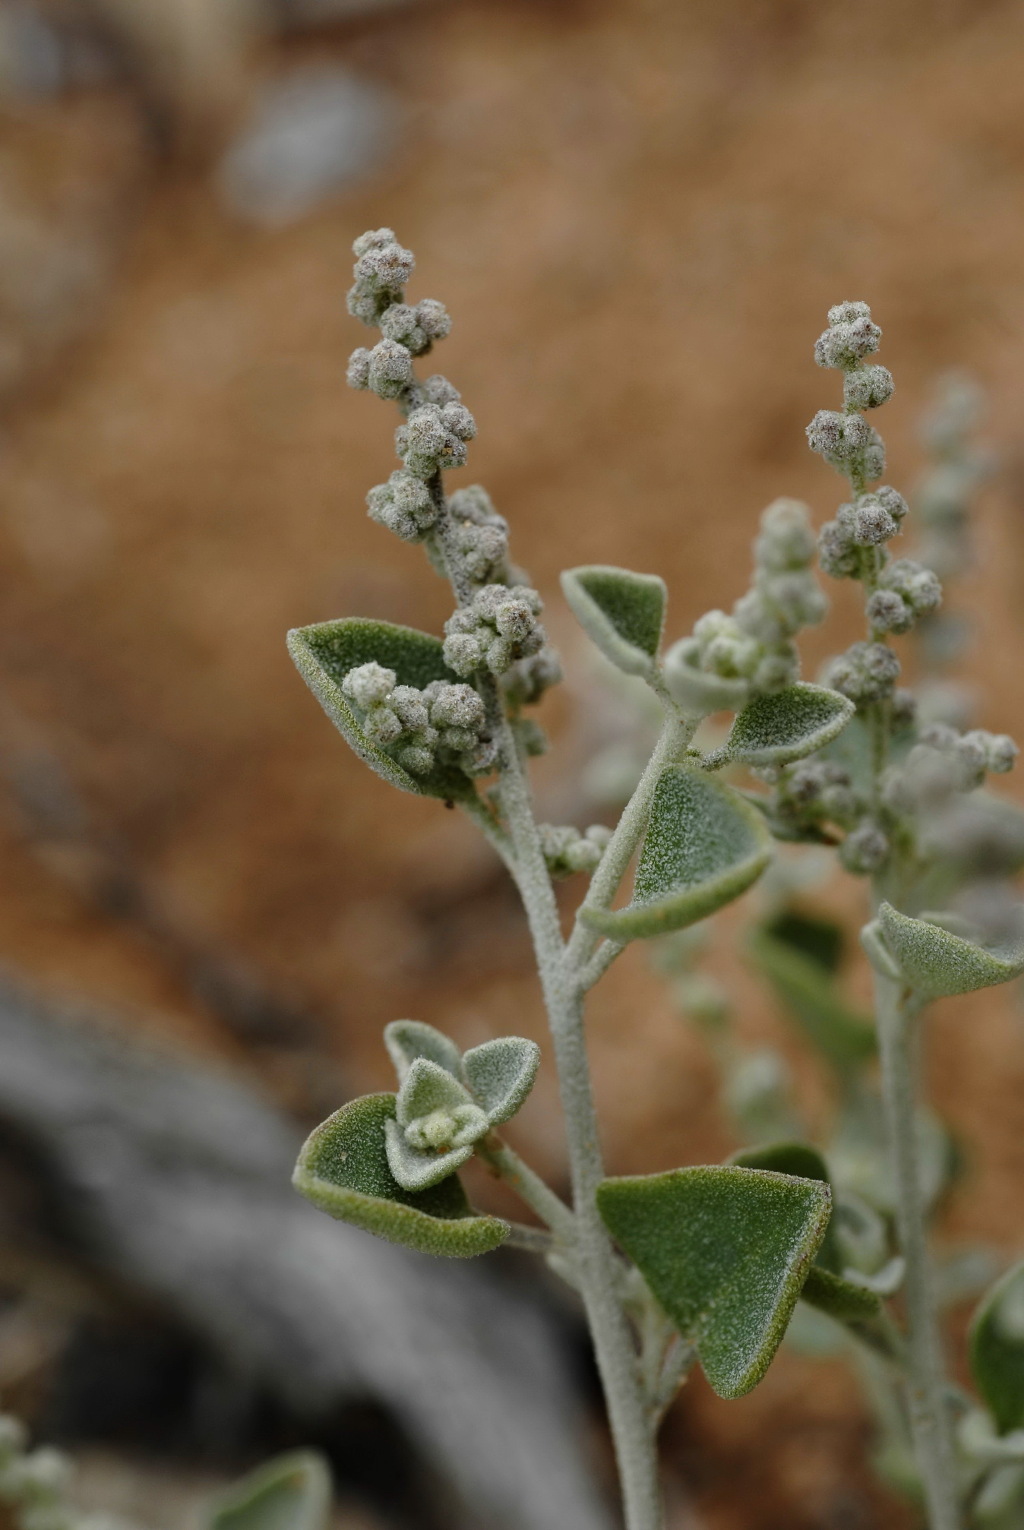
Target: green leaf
x: 500, y: 1074
x: 788, y: 724
x: 842, y: 1299
x: 622, y: 612
x: 725, y: 1250
x: 822, y: 940
x: 698, y: 692
x: 428, y: 1087
x: 703, y: 847
x: 324, y: 654
x: 801, y: 1161
x: 997, y: 1350
x: 415, y: 1170
x: 291, y: 1492
x: 343, y: 1169
x: 808, y: 993
x: 408, y: 1039
x: 938, y: 958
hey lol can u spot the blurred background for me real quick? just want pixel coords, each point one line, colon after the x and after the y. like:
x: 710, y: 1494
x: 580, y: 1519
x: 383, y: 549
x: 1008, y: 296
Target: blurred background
x: 638, y: 215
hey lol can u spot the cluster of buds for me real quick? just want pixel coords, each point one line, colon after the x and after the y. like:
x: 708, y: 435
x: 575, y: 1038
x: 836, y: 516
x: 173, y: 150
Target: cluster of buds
x: 844, y: 439
x: 434, y: 438
x: 404, y: 505
x: 943, y: 763
x: 752, y: 649
x: 441, y: 724
x: 479, y: 536
x: 906, y: 591
x: 867, y: 522
x: 567, y: 851
x: 498, y: 628
x: 812, y: 793
x: 381, y: 271
x: 866, y: 673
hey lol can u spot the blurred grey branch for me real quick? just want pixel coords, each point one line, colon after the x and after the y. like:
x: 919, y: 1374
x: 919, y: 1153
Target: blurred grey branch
x: 176, y: 1180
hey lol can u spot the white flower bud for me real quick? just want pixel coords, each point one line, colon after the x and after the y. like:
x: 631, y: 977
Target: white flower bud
x: 838, y: 553
x: 867, y: 387
x: 456, y: 706
x: 390, y: 369
x: 398, y: 322
x: 382, y: 726
x: 416, y: 759
x: 409, y: 707
x: 386, y: 267
x: 358, y: 373
x: 847, y: 342
x: 438, y: 390
x: 433, y: 319
x: 1001, y: 752
x: 463, y: 653
x: 459, y: 421
x: 889, y: 612
x: 839, y: 313
x: 864, y: 850
x: 786, y: 540
x: 368, y: 684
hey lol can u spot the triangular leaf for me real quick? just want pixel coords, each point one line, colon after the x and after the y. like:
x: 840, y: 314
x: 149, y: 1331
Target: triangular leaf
x: 500, y: 1074
x: 937, y: 956
x: 810, y: 996
x: 418, y: 1171
x: 291, y: 1492
x: 622, y: 612
x: 787, y: 725
x: 804, y: 1162
x: 997, y: 1350
x: 408, y: 1039
x: 326, y: 652
x: 343, y: 1169
x: 725, y: 1251
x: 428, y: 1087
x: 704, y: 846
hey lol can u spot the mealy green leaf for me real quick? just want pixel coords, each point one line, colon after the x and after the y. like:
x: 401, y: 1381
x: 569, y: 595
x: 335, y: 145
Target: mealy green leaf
x: 725, y: 1251
x: 997, y: 1350
x: 622, y: 612
x: 704, y: 846
x: 291, y: 1492
x: 697, y: 692
x: 937, y: 956
x: 804, y: 1162
x: 324, y: 654
x: 428, y: 1087
x: 408, y: 1039
x: 343, y: 1169
x: 810, y: 997
x: 788, y: 724
x: 500, y: 1074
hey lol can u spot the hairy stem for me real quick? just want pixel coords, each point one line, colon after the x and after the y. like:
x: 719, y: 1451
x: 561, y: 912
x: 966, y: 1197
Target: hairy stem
x: 930, y: 1422
x: 595, y: 1257
x: 528, y: 1185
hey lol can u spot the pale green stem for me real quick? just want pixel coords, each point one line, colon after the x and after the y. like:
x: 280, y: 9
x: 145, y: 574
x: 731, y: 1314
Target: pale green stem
x: 676, y: 734
x: 930, y: 1422
x: 528, y: 1185
x: 595, y: 1260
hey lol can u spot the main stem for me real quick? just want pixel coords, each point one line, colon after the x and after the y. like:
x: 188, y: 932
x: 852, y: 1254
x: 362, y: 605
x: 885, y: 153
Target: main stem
x: 930, y: 1421
x: 614, y: 1347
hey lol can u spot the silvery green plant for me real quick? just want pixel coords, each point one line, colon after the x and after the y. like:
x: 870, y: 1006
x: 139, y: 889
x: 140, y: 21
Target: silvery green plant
x: 705, y: 1264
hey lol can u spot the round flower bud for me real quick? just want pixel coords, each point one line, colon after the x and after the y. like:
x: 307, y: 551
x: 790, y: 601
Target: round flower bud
x: 369, y: 684
x: 373, y: 239
x: 838, y: 553
x: 786, y: 540
x: 839, y: 438
x: 892, y: 500
x: 583, y: 855
x: 358, y: 373
x: 869, y: 522
x: 839, y: 313
x: 409, y: 707
x: 432, y: 318
x: 398, y: 322
x: 386, y: 267
x: 438, y: 390
x: 459, y: 421
x: 456, y: 706
x: 390, y: 369
x: 463, y: 653
x: 867, y: 387
x: 382, y: 726
x: 847, y: 342
x: 864, y: 849
x: 1002, y: 753
x: 889, y: 612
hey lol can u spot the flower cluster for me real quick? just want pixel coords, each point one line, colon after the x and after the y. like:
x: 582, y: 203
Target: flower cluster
x: 567, y: 851
x: 845, y: 439
x: 479, y: 536
x: 752, y: 649
x: 945, y: 762
x: 434, y: 438
x: 495, y: 630
x: 441, y: 724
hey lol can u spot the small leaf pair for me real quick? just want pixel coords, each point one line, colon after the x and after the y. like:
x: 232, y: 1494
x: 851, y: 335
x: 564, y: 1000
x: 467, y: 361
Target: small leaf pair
x: 448, y: 1100
x: 726, y: 1251
x: 938, y: 955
